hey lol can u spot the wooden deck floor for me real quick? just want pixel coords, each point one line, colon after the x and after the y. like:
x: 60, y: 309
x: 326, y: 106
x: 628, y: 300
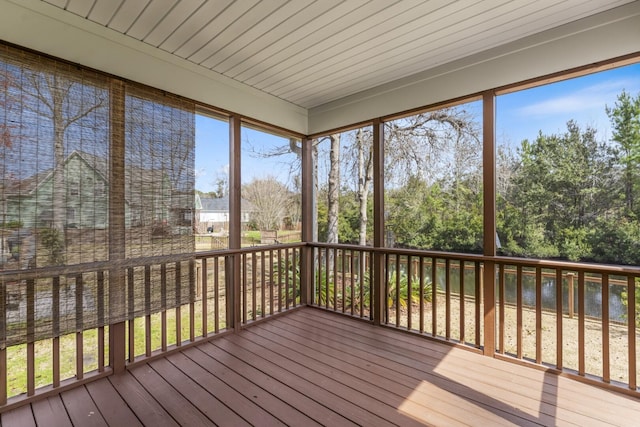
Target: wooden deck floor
x: 315, y: 368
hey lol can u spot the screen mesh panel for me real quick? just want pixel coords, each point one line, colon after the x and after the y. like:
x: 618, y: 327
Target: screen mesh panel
x: 75, y: 191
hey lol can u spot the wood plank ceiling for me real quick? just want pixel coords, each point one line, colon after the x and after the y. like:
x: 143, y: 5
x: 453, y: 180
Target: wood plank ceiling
x: 310, y: 52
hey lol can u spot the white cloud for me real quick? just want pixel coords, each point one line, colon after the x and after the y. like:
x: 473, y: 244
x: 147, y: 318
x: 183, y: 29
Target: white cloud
x: 199, y: 173
x: 592, y: 97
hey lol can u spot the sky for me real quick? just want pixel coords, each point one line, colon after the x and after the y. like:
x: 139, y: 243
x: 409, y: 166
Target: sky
x: 212, y: 154
x: 519, y: 115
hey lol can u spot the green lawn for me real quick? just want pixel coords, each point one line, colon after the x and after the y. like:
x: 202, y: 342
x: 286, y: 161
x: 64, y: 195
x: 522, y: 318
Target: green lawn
x: 43, y: 349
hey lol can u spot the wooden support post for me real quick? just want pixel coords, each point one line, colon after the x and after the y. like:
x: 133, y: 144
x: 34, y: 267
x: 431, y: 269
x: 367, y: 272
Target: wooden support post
x: 117, y: 290
x: 489, y: 187
x: 377, y: 284
x: 308, y: 223
x: 235, y: 228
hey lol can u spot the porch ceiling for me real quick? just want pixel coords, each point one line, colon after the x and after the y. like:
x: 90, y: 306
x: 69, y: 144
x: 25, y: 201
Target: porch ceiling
x: 311, y: 52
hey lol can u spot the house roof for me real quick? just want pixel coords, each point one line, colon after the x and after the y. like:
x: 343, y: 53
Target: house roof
x: 139, y: 178
x: 221, y: 204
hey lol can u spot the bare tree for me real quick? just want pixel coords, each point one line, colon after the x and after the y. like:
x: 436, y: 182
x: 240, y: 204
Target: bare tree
x: 360, y: 154
x: 5, y: 129
x: 431, y: 145
x: 333, y: 202
x: 63, y: 101
x: 271, y: 200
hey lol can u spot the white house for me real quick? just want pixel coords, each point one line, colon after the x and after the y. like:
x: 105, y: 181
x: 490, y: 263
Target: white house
x: 213, y: 213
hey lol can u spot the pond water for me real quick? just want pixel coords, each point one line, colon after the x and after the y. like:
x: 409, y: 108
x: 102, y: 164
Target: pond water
x: 592, y: 299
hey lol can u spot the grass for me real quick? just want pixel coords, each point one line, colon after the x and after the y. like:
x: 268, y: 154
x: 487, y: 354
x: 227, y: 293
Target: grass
x: 43, y: 349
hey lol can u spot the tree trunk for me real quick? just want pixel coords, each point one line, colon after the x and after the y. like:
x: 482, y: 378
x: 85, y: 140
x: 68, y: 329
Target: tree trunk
x: 365, y: 172
x: 333, y: 202
x: 58, y: 192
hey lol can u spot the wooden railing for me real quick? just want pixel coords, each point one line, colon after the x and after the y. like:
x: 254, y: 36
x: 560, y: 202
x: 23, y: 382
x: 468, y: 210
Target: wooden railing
x: 590, y: 343
x: 342, y: 279
x: 52, y: 299
x: 270, y: 281
x: 443, y: 296
x: 33, y: 366
x: 539, y: 308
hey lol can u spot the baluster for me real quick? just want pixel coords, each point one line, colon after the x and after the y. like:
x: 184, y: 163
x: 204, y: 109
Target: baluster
x: 581, y: 324
x: 559, y: 317
x: 286, y: 277
x: 263, y: 284
x: 447, y: 272
x: 55, y: 313
x: 254, y: 304
x: 343, y: 288
x: 421, y: 291
x: 434, y: 297
x: 462, y: 306
x: 163, y: 306
x: 606, y: 377
x: 519, y: 311
x: 147, y: 307
x: 178, y: 302
x: 295, y: 268
x: 131, y: 309
x: 478, y: 292
x: 216, y: 294
x: 79, y: 327
x: 409, y: 290
x: 30, y: 336
x: 205, y: 295
x: 538, y: 315
x: 101, y: 320
x: 501, y: 305
x: 631, y: 316
x: 244, y: 288
x: 192, y: 298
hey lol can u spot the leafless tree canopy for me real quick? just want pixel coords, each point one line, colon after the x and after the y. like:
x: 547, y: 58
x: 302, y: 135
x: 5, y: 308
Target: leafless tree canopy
x: 271, y: 202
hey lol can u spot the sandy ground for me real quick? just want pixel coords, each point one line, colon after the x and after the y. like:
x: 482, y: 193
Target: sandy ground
x: 593, y: 336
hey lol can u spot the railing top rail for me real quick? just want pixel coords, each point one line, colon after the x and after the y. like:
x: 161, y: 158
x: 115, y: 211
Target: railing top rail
x: 403, y: 251
x: 70, y: 270
x: 527, y: 262
x: 11, y: 275
x: 249, y: 249
x: 569, y: 265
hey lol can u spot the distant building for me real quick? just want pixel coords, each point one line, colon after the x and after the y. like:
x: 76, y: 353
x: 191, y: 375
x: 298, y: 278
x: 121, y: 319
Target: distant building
x: 212, y: 214
x: 148, y: 196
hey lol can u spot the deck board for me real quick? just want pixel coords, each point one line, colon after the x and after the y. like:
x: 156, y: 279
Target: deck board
x: 20, y: 417
x: 391, y: 381
x: 51, y: 412
x: 183, y: 411
x: 311, y: 367
x: 248, y: 410
x: 141, y: 402
x: 113, y: 408
x: 279, y: 389
x: 223, y: 400
x: 431, y: 371
x: 81, y: 408
x: 542, y: 390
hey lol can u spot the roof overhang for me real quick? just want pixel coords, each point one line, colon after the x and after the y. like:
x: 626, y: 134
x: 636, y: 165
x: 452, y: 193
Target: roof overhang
x: 46, y: 28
